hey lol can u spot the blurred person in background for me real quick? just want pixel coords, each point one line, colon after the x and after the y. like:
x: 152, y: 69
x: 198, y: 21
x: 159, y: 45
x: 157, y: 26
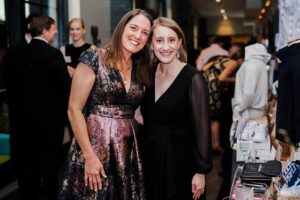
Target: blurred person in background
x: 73, y: 51
x: 215, y: 49
x: 40, y: 87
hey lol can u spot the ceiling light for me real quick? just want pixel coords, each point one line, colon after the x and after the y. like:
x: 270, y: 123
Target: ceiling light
x: 268, y: 3
x: 263, y: 11
x: 218, y: 1
x: 225, y: 17
x: 222, y: 11
x: 260, y: 17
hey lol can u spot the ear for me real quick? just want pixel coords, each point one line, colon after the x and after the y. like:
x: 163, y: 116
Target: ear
x: 44, y: 32
x: 179, y: 43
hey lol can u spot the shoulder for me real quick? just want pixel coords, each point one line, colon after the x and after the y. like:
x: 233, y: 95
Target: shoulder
x: 92, y: 57
x: 190, y: 70
x: 194, y: 74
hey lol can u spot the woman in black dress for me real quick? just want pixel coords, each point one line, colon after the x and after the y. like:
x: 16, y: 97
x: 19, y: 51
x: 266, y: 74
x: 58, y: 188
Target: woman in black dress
x: 73, y: 51
x: 176, y: 144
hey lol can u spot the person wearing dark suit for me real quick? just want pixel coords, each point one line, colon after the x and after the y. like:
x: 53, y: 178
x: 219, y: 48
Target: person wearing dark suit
x: 41, y: 88
x: 9, y: 80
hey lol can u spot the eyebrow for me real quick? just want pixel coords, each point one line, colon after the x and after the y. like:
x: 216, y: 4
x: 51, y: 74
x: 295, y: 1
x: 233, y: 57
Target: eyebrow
x: 148, y: 30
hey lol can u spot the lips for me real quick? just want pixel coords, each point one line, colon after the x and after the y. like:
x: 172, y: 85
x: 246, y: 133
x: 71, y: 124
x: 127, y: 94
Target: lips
x: 134, y: 42
x: 166, y: 53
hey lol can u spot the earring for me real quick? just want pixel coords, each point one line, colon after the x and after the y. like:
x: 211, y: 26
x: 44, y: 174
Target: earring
x: 177, y: 54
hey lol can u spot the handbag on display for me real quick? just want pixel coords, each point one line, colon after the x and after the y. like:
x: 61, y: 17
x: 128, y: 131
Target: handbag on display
x: 261, y: 172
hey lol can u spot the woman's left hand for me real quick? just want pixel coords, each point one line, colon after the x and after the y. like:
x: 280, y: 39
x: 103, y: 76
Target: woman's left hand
x: 198, y: 185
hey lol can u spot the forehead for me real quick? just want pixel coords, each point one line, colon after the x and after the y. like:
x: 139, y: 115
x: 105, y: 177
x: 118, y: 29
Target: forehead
x: 75, y: 24
x: 141, y: 21
x: 163, y: 31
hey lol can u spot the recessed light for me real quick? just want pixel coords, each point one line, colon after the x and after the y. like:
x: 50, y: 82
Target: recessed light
x: 218, y: 1
x: 268, y: 3
x: 222, y: 11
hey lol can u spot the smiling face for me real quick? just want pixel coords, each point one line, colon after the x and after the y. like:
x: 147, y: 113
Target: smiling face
x: 165, y: 44
x: 76, y: 30
x: 135, y: 34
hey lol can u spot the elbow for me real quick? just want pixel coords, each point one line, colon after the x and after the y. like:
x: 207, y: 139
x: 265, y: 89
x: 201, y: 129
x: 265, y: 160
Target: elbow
x: 71, y: 113
x: 221, y: 78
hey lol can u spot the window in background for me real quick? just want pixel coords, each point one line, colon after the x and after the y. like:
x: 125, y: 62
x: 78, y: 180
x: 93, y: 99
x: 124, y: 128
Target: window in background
x: 2, y: 10
x: 44, y: 7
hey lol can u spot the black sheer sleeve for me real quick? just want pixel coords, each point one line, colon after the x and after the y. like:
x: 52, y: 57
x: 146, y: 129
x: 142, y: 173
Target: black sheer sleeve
x: 199, y: 109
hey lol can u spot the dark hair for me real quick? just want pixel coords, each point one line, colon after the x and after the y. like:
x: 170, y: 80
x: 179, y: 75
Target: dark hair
x: 223, y: 41
x: 169, y: 23
x: 40, y: 23
x: 114, y: 47
x: 29, y: 20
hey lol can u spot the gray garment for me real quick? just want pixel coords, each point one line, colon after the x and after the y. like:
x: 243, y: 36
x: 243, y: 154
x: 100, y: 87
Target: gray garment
x: 251, y: 91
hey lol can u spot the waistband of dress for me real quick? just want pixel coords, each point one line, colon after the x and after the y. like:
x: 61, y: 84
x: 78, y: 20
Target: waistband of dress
x: 114, y: 111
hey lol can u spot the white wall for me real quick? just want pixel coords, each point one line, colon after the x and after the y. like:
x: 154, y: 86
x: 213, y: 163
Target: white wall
x: 96, y: 13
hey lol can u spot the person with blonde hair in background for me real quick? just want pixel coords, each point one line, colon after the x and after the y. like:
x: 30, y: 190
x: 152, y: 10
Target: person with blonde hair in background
x: 73, y: 51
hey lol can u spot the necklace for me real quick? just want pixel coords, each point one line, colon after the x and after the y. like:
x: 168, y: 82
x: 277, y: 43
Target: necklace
x: 123, y: 74
x: 124, y: 78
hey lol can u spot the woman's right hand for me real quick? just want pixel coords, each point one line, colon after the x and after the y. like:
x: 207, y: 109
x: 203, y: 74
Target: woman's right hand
x: 93, y: 173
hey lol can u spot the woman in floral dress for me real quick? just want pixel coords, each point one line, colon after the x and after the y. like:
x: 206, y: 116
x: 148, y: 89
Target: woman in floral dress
x: 107, y: 87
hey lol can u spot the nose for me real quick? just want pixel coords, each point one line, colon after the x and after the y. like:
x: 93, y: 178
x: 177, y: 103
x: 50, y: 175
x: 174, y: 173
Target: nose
x: 138, y: 34
x: 165, y: 45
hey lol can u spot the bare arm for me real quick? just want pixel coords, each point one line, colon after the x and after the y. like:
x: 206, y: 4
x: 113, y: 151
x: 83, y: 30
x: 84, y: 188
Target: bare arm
x: 225, y: 75
x: 207, y: 66
x: 70, y: 69
x: 82, y: 84
x: 138, y: 116
x: 63, y: 50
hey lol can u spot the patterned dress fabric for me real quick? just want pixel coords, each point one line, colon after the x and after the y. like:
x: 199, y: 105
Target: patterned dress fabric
x: 215, y: 87
x: 112, y: 131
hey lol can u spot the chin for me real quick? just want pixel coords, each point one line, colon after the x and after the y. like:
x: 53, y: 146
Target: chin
x: 134, y: 50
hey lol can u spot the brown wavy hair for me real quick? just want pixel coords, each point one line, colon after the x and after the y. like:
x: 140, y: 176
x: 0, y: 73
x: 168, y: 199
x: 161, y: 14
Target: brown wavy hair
x: 140, y: 59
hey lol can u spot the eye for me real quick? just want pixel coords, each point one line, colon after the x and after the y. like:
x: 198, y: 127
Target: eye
x: 172, y: 40
x: 133, y: 28
x: 146, y: 33
x: 158, y: 40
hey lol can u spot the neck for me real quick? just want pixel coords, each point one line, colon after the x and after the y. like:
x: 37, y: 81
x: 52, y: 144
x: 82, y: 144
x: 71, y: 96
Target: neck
x: 169, y: 67
x: 124, y: 65
x: 78, y: 43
